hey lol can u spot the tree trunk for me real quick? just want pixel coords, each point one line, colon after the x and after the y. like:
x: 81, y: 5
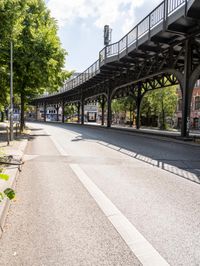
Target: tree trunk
x: 163, y: 119
x: 130, y: 116
x: 102, y: 111
x: 22, y: 122
x: 147, y: 119
x: 78, y: 111
x: 2, y: 116
x: 163, y: 116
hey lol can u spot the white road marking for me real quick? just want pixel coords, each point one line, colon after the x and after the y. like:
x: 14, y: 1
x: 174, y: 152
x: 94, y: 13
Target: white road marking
x: 58, y: 146
x: 141, y: 248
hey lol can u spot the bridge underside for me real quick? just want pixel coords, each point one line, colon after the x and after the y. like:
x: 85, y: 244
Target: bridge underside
x: 166, y: 55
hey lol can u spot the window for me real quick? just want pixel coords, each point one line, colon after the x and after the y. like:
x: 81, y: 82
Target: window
x: 197, y: 103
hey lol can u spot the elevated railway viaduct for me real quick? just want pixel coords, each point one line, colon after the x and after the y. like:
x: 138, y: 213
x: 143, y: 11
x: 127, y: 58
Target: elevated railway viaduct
x: 160, y: 51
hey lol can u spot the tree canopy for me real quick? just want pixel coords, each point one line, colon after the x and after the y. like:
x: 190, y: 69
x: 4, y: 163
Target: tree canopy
x: 38, y: 56
x: 160, y: 103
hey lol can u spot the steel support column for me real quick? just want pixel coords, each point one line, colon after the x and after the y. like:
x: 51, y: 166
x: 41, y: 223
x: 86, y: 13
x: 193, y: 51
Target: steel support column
x: 82, y: 111
x: 36, y: 112
x: 45, y: 111
x: 78, y: 107
x: 138, y: 104
x: 57, y: 112
x: 185, y: 128
x: 102, y: 110
x: 63, y: 112
x: 109, y: 109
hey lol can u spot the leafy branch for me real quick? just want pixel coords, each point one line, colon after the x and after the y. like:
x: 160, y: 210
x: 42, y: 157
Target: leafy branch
x: 8, y: 192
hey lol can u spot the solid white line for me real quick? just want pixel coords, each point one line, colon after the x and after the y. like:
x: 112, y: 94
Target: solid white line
x: 58, y: 146
x: 141, y: 248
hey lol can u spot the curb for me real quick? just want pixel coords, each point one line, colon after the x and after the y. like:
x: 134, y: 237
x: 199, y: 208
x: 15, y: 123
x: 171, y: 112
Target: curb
x: 13, y: 172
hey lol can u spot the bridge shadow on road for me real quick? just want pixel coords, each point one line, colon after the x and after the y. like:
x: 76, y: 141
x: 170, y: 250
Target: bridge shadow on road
x: 179, y: 158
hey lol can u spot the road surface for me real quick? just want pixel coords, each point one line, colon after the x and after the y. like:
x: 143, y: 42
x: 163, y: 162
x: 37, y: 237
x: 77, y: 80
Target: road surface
x: 91, y: 196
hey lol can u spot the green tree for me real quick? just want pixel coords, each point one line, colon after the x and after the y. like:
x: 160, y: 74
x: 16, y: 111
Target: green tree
x: 162, y: 103
x: 126, y: 104
x: 70, y: 110
x: 38, y: 55
x: 117, y: 106
x: 10, y: 27
x: 130, y: 105
x: 3, y: 97
x: 39, y: 58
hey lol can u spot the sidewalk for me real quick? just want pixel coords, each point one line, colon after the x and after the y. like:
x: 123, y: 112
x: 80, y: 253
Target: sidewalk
x: 173, y: 132
x: 194, y: 136
x: 16, y: 150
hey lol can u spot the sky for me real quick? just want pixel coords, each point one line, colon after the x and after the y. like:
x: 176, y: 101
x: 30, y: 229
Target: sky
x: 81, y: 24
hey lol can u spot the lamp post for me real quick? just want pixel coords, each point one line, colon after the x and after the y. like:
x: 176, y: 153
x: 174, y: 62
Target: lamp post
x: 11, y: 90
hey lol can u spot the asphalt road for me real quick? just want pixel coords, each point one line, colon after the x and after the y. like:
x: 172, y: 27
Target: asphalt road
x: 55, y: 221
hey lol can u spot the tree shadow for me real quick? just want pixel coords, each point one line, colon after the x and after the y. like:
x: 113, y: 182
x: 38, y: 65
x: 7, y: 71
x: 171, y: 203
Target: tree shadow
x: 36, y: 129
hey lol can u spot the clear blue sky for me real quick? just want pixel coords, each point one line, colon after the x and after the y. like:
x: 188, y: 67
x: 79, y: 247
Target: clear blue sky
x: 81, y: 25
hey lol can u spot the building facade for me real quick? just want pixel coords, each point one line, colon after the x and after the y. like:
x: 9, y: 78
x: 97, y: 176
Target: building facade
x: 195, y: 108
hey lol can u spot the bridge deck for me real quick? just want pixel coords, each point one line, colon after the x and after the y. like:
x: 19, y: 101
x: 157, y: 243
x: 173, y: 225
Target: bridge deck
x: 157, y: 32
x: 162, y: 50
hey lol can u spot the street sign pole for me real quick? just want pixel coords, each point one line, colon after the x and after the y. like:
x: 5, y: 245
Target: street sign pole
x: 11, y: 90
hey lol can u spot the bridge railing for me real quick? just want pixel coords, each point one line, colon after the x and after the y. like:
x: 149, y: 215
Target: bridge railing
x: 174, y: 4
x: 122, y: 44
x: 157, y: 16
x: 81, y: 78
x: 132, y: 36
x: 111, y: 50
x: 143, y: 27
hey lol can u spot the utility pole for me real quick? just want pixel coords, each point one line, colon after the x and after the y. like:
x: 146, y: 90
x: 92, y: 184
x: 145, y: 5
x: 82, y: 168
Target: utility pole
x: 11, y: 90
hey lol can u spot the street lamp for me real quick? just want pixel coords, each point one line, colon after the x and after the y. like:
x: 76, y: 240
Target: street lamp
x: 11, y: 90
